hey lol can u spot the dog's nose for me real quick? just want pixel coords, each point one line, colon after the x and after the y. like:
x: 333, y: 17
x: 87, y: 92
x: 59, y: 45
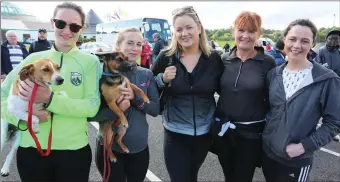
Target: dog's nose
x: 60, y: 80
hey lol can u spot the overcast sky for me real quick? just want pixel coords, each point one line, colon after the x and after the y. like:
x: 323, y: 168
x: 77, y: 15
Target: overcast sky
x: 275, y: 14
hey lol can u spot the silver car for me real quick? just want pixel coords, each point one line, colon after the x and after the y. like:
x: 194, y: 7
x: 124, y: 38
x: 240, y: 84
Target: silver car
x: 95, y: 47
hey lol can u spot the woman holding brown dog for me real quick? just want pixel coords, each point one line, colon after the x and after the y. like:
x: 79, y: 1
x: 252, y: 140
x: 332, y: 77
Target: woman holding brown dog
x: 132, y: 166
x: 188, y: 73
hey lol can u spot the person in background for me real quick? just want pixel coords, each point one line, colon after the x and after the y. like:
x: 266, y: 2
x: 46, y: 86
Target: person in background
x: 243, y: 101
x: 300, y: 93
x: 226, y: 47
x: 42, y: 43
x: 12, y: 53
x: 188, y: 73
x: 146, y: 57
x: 278, y: 52
x: 158, y: 45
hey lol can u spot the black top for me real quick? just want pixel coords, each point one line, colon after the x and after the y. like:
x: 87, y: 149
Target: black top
x: 243, y: 89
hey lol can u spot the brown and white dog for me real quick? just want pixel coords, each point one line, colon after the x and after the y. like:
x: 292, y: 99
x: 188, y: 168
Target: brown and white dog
x: 43, y: 70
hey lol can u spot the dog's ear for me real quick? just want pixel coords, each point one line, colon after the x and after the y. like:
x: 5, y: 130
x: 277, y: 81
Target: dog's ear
x: 26, y: 71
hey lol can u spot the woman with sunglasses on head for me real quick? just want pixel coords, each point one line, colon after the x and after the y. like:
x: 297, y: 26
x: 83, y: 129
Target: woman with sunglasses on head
x: 301, y: 92
x: 243, y: 101
x: 188, y: 73
x: 132, y: 166
x: 69, y: 104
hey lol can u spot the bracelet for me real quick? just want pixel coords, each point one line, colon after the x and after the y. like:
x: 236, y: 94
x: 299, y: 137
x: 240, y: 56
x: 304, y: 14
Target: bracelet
x: 22, y: 123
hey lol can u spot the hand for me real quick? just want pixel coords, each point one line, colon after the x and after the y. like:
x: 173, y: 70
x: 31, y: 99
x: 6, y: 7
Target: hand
x: 124, y: 105
x: 3, y: 76
x: 295, y: 150
x: 43, y: 115
x: 127, y: 92
x: 169, y: 74
x: 25, y: 91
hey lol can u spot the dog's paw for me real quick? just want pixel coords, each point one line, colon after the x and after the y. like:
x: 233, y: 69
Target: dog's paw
x: 146, y: 99
x: 4, y: 171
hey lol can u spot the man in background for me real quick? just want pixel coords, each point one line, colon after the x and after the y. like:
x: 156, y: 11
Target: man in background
x: 12, y: 53
x: 42, y: 43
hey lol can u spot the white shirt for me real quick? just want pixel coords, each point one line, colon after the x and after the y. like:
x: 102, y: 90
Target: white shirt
x: 295, y: 80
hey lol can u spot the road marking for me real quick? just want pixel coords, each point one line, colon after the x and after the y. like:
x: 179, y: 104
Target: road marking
x: 152, y: 177
x: 330, y: 152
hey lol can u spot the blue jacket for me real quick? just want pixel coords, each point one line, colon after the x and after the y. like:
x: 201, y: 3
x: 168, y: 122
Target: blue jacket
x: 190, y: 104
x: 6, y: 65
x: 277, y: 55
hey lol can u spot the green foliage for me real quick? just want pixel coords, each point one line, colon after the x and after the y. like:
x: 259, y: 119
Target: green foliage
x: 225, y: 35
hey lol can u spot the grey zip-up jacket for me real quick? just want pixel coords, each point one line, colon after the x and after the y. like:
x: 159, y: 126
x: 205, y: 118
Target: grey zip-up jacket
x: 295, y: 120
x: 136, y: 136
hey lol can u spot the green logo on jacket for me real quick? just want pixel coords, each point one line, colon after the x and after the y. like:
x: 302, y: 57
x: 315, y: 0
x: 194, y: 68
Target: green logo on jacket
x: 76, y: 78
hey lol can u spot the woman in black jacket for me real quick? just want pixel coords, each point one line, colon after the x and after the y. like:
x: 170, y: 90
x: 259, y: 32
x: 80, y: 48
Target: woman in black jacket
x: 188, y: 72
x: 242, y: 103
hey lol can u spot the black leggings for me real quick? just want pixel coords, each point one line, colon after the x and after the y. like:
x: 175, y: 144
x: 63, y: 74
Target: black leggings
x: 239, y: 157
x: 129, y: 167
x: 184, y: 155
x: 59, y: 166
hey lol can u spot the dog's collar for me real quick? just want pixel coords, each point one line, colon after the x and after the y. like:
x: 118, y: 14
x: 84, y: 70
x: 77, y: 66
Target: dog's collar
x: 111, y: 74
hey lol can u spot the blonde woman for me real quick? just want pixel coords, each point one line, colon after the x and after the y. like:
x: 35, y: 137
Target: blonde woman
x: 188, y: 73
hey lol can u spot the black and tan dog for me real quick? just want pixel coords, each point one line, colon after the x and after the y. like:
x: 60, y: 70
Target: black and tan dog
x: 110, y: 82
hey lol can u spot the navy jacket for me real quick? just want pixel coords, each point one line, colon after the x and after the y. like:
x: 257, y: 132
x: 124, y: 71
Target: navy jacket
x: 295, y: 120
x: 6, y: 65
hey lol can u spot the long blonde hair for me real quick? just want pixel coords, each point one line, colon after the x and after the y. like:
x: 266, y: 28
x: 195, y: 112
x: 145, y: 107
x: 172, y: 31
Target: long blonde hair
x: 121, y: 37
x: 203, y: 42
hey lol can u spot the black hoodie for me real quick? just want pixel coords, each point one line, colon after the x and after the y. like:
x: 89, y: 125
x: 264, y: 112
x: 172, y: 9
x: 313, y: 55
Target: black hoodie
x: 295, y: 120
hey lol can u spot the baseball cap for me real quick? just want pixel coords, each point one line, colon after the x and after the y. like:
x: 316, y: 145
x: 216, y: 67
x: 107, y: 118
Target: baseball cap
x: 336, y: 32
x: 42, y: 30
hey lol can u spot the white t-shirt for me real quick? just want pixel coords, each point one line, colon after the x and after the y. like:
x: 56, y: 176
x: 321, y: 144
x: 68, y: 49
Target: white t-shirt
x: 295, y: 80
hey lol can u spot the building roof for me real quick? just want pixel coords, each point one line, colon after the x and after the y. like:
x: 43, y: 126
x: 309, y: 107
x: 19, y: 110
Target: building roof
x: 91, y: 21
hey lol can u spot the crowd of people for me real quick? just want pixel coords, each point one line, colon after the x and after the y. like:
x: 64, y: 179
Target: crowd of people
x: 266, y: 116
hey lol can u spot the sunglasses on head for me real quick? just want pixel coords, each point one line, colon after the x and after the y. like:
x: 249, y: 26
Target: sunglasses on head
x: 186, y: 9
x: 61, y: 24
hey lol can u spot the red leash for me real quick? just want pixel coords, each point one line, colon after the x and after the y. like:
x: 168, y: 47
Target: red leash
x: 29, y: 122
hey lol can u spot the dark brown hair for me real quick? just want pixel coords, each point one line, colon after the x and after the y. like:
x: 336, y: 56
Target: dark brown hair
x: 73, y: 6
x: 302, y: 22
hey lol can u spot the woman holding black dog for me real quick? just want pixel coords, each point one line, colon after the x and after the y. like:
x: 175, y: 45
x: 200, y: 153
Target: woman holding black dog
x: 132, y: 166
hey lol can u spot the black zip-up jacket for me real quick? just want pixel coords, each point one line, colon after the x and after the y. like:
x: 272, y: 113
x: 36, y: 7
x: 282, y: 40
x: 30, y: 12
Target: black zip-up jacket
x: 243, y: 87
x: 190, y: 103
x: 295, y: 120
x: 40, y: 45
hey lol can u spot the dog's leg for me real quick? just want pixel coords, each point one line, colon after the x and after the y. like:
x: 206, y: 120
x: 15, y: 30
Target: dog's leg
x: 113, y: 106
x: 121, y: 133
x: 9, y: 159
x: 4, y: 133
x: 140, y: 92
x: 108, y: 134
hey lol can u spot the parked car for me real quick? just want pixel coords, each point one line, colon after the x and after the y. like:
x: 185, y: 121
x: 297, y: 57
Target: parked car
x: 216, y: 46
x: 95, y: 47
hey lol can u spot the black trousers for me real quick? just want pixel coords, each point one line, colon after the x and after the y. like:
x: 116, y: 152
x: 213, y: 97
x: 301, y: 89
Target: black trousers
x: 59, y: 166
x: 128, y: 167
x: 277, y: 172
x: 239, y: 156
x: 184, y: 155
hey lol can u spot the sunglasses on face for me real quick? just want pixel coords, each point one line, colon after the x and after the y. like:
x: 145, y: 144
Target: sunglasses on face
x: 61, y: 24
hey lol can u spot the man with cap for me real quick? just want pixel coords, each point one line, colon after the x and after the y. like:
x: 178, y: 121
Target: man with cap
x: 42, y: 43
x: 329, y: 55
